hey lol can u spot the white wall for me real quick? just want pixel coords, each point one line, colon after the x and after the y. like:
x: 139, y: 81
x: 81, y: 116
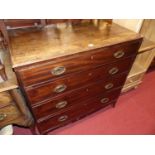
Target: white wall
x: 132, y: 24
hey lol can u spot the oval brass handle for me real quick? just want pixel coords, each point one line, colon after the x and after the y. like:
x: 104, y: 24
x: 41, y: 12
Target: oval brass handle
x: 113, y: 70
x: 60, y: 88
x: 61, y: 104
x: 119, y: 54
x: 2, y: 116
x: 104, y: 100
x: 62, y: 118
x: 109, y: 86
x: 58, y: 70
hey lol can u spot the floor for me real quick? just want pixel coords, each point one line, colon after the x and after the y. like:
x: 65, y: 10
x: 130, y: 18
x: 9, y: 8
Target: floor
x: 134, y: 114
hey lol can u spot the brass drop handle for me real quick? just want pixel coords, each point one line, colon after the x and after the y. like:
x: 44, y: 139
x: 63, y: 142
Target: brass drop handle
x: 109, y: 86
x: 61, y: 104
x: 58, y: 70
x: 60, y: 88
x: 119, y: 54
x: 62, y: 118
x: 2, y: 116
x: 104, y: 100
x: 113, y: 70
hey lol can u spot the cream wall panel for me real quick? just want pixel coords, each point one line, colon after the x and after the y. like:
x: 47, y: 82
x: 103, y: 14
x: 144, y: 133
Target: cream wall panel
x: 132, y: 24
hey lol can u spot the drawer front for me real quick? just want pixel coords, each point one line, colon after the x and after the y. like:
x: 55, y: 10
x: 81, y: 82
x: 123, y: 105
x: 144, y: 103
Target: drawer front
x: 132, y: 82
x: 60, y: 120
x: 135, y: 78
x: 44, y: 71
x: 5, y: 99
x: 71, y: 115
x: 73, y: 81
x: 61, y: 104
x: 44, y: 93
x: 8, y: 114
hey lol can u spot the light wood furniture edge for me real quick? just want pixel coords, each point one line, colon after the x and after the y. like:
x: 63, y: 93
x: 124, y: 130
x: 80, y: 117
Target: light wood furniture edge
x: 10, y: 85
x: 148, y: 31
x: 145, y: 55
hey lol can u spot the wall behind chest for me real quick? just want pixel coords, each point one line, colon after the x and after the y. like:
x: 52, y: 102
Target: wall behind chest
x: 132, y: 24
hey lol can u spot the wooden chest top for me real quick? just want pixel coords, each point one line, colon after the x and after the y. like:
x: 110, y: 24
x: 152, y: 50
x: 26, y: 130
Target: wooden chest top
x: 34, y: 45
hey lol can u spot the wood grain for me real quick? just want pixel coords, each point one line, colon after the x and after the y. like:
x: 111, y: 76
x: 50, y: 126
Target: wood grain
x: 49, y: 108
x: 80, y: 78
x: 41, y: 72
x: 14, y: 23
x: 11, y: 114
x: 74, y: 114
x: 12, y: 106
x: 148, y: 31
x: 144, y: 58
x: 146, y: 45
x: 44, y: 93
x: 86, y: 52
x: 30, y: 46
x: 5, y: 99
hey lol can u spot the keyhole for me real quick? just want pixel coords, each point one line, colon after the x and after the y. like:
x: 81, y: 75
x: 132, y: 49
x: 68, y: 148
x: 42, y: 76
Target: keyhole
x: 91, y: 57
x: 90, y: 74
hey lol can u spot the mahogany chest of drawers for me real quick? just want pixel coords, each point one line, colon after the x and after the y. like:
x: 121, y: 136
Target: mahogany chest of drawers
x: 68, y: 73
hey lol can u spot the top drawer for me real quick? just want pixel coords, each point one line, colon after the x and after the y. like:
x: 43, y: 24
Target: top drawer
x: 44, y: 71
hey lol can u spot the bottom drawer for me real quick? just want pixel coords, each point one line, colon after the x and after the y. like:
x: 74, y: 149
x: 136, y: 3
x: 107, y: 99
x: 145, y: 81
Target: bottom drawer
x: 134, y: 78
x: 45, y: 110
x: 133, y: 82
x: 8, y: 114
x: 76, y: 112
